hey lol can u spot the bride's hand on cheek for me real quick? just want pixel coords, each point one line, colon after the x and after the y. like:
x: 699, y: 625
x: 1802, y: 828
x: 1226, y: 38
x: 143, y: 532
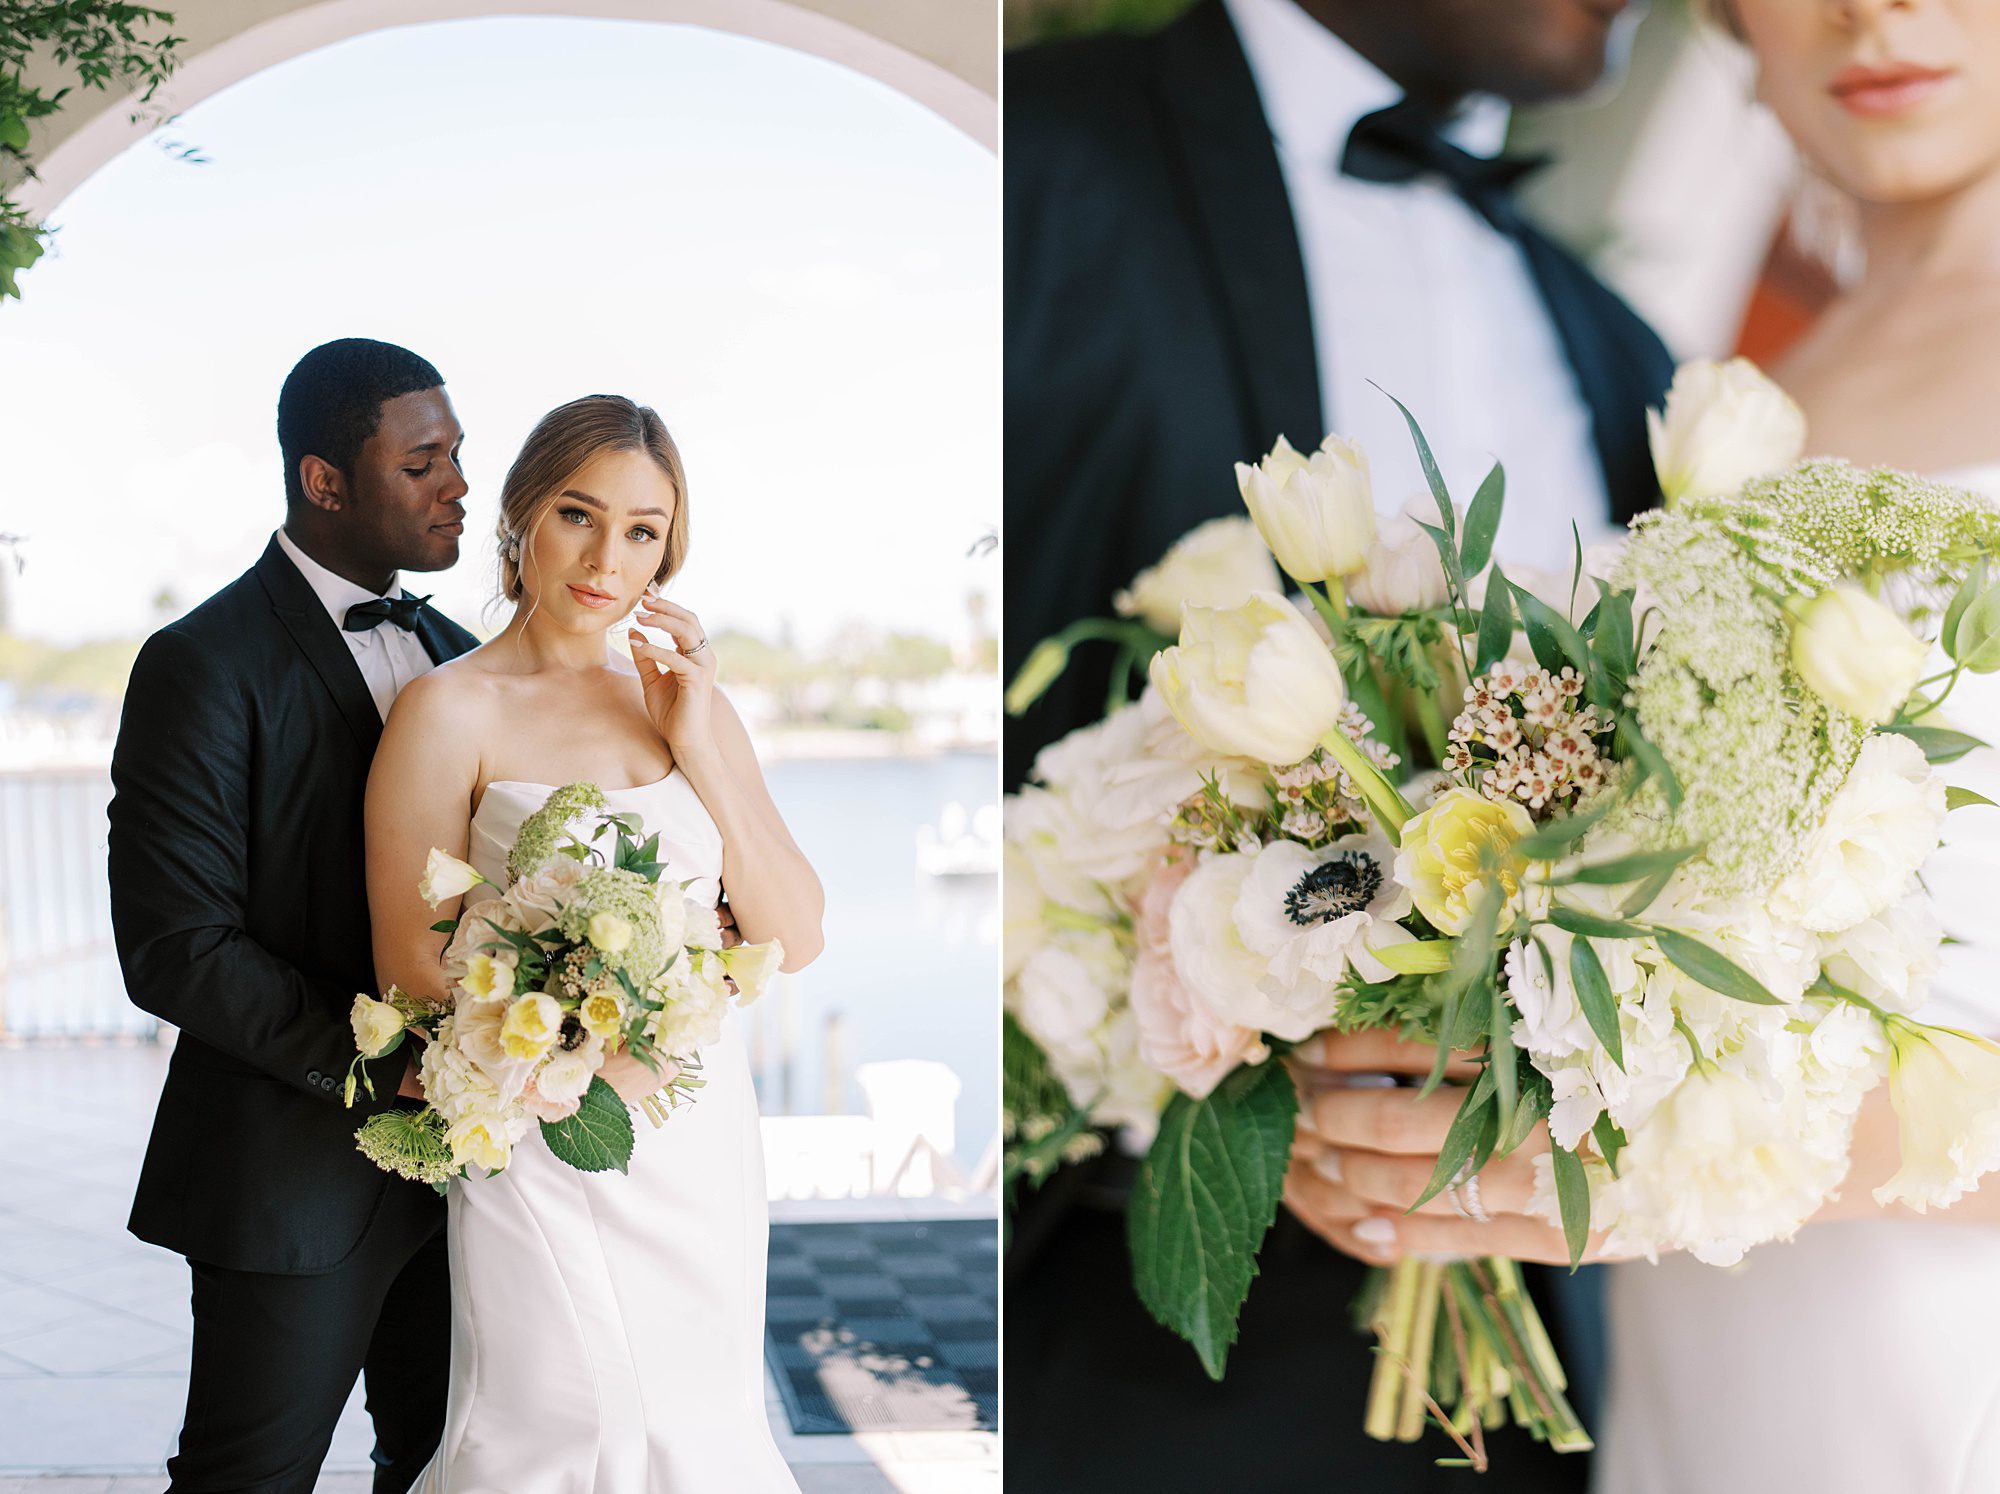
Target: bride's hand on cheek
x: 679, y: 682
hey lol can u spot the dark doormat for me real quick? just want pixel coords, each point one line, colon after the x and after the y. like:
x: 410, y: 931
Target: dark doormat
x: 888, y: 1326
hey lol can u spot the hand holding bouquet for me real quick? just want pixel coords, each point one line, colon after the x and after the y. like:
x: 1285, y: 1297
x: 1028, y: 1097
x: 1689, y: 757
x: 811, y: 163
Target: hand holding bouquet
x: 584, y: 955
x: 1654, y: 895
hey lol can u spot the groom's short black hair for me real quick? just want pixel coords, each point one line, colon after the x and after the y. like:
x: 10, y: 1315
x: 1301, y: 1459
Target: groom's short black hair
x: 332, y: 401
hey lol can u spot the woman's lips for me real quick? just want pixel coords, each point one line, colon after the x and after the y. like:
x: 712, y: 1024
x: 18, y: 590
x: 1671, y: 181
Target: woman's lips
x: 1886, y: 91
x: 589, y: 598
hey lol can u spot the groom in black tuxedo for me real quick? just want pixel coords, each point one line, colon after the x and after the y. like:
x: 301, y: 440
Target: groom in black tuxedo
x: 241, y: 914
x: 1162, y: 287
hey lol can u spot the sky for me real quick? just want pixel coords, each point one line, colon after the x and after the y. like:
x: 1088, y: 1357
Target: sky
x: 796, y: 265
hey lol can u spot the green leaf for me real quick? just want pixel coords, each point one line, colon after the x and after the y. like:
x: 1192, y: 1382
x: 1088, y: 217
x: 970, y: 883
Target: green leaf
x: 1474, y: 1111
x: 1939, y: 744
x: 1634, y: 868
x: 445, y: 926
x: 1968, y: 591
x: 1431, y: 474
x: 1557, y: 836
x: 1651, y: 760
x: 1593, y: 994
x: 1573, y: 1199
x: 598, y: 1138
x: 1715, y: 970
x: 1954, y: 798
x: 1447, y: 554
x: 1482, y: 522
x: 1533, y: 1107
x: 1496, y: 628
x: 1550, y: 634
x: 1610, y: 1141
x: 1205, y: 1196
x: 1501, y: 1060
x: 1591, y: 926
x: 13, y: 132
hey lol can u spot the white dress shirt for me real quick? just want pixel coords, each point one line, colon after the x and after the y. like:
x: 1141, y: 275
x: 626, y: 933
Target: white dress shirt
x: 1412, y: 290
x: 389, y: 656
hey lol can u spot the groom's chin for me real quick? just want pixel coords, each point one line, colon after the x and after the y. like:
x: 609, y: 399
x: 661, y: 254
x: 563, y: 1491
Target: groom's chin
x: 441, y: 554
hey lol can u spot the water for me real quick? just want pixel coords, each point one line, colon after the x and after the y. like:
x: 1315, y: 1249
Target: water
x: 910, y: 966
x: 911, y: 962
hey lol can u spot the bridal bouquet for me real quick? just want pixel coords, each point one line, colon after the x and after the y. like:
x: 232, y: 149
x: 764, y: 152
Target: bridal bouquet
x: 582, y: 955
x: 1656, y: 876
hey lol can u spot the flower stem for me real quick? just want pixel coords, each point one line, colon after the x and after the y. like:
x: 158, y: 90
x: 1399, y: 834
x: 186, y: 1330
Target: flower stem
x: 1389, y: 807
x: 1393, y: 1331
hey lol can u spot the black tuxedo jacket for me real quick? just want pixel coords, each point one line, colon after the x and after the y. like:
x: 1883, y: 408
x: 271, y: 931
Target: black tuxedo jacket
x: 240, y: 909
x: 1158, y: 328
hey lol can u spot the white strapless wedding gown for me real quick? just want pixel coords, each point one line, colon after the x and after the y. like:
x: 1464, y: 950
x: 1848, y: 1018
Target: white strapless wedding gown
x: 1863, y: 1357
x: 607, y: 1329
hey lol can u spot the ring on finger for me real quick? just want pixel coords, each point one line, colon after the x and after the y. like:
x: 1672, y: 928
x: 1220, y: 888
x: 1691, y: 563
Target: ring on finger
x: 690, y: 653
x: 1464, y: 1196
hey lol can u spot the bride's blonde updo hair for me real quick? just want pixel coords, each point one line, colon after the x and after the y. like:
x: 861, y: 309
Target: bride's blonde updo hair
x: 559, y: 446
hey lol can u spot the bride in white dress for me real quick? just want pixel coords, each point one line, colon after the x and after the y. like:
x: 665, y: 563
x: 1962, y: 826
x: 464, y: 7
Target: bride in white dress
x: 1860, y: 1357
x: 606, y: 1328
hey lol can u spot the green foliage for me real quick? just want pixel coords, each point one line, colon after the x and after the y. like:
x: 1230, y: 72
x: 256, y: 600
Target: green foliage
x: 598, y: 1138
x: 1042, y: 1123
x: 99, y: 45
x: 1205, y: 1197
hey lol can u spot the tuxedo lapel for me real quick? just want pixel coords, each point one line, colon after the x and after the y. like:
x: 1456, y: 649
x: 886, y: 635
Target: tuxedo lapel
x: 305, y: 617
x: 1225, y: 162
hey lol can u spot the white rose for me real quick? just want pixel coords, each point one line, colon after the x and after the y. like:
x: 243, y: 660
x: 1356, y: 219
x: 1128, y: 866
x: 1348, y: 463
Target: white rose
x: 1316, y: 513
x: 1879, y: 828
x: 1716, y: 1169
x: 1122, y: 1090
x: 1945, y: 1085
x: 1254, y: 681
x: 1216, y: 564
x: 376, y: 1025
x: 540, y: 897
x: 1219, y: 969
x: 1890, y: 958
x: 1317, y: 915
x: 1725, y: 425
x: 1855, y: 653
x: 1401, y: 571
x: 446, y: 877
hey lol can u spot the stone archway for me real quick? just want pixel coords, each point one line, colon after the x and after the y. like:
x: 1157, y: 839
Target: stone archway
x: 944, y: 54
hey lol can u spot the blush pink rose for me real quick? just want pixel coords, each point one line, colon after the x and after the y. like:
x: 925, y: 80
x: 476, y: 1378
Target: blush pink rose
x: 1175, y: 1037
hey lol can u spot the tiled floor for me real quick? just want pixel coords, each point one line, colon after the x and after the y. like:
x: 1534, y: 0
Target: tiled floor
x: 94, y: 1325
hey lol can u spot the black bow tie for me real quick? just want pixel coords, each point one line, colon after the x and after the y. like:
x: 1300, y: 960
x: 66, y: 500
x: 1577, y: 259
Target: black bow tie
x: 1404, y: 141
x: 402, y: 611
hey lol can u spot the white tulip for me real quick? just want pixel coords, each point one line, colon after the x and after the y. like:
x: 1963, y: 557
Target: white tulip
x: 1317, y: 513
x: 1725, y: 425
x: 1252, y: 681
x: 1856, y: 653
x: 1216, y: 564
x: 1401, y: 571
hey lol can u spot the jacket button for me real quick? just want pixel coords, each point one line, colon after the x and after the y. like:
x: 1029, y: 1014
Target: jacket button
x: 327, y: 1082
x: 313, y: 1077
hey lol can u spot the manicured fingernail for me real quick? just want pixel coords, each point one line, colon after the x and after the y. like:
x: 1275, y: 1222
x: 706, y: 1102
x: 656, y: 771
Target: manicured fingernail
x: 1327, y: 1165
x: 1375, y: 1230
x: 1305, y: 1121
